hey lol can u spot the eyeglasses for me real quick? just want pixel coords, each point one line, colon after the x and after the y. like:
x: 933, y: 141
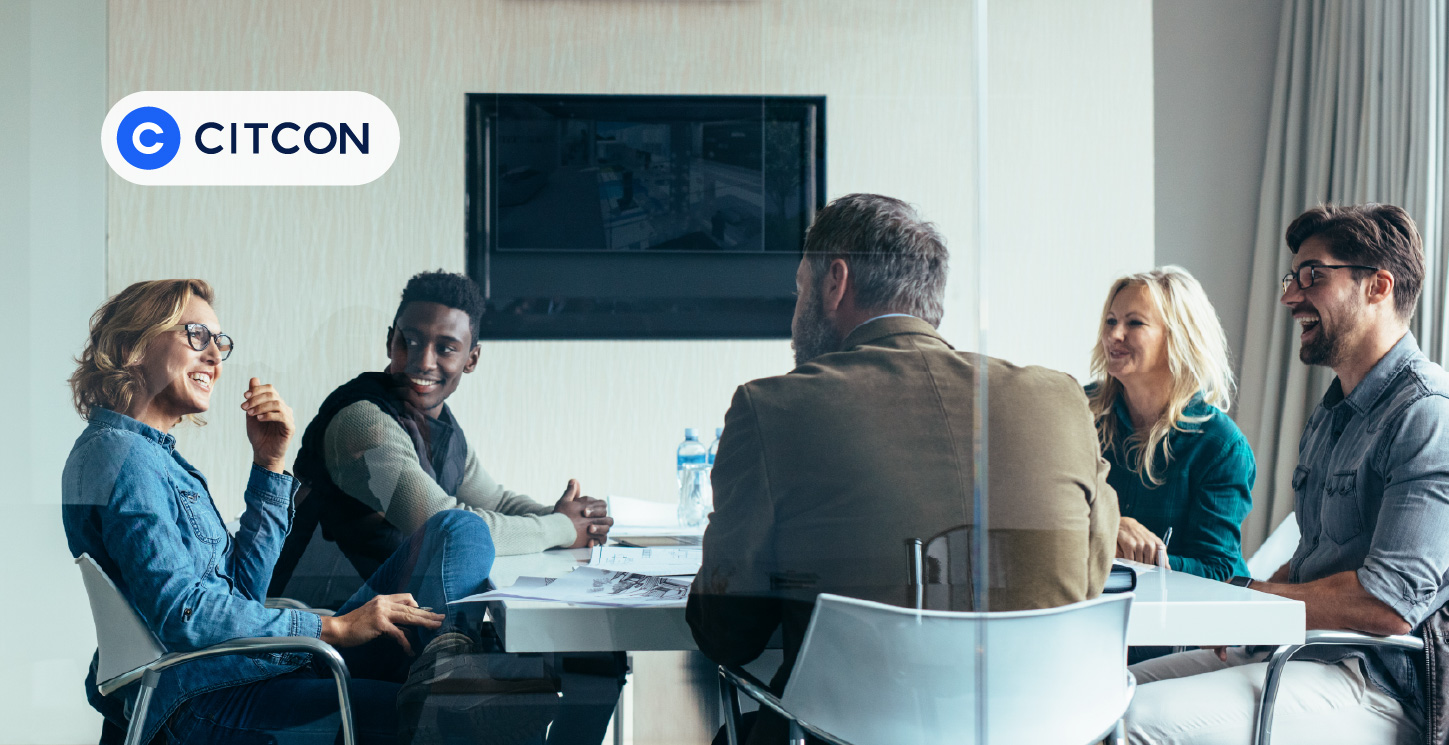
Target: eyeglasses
x: 1307, y: 274
x: 198, y: 336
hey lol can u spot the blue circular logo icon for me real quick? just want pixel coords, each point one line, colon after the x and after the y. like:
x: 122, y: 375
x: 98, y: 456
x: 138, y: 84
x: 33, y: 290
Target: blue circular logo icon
x: 148, y: 138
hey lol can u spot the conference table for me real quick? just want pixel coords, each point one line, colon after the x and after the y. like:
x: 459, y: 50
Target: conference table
x: 1171, y: 609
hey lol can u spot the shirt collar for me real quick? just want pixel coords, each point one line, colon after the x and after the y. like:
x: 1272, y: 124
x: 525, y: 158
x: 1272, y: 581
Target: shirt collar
x: 107, y: 418
x: 1373, y: 385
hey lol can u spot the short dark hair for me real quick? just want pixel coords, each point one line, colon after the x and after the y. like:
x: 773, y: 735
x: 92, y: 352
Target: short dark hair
x: 1380, y: 235
x: 897, y: 259
x: 445, y: 288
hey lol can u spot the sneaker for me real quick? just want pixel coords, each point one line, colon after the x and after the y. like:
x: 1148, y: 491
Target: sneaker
x: 457, y: 693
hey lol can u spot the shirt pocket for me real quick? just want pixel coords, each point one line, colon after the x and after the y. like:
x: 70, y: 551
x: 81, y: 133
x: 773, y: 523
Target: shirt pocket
x: 1342, y: 511
x: 199, y: 513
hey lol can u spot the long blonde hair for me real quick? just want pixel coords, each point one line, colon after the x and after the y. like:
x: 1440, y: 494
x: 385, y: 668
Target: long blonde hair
x: 108, y: 371
x: 1197, y: 357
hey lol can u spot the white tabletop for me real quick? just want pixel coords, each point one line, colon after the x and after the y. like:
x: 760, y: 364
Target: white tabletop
x: 1170, y: 609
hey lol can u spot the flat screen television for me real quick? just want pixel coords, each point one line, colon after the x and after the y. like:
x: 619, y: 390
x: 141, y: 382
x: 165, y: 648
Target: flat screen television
x: 640, y: 217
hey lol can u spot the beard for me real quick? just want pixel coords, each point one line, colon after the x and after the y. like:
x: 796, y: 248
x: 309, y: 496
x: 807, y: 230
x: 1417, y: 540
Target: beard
x: 1328, y: 343
x: 812, y: 335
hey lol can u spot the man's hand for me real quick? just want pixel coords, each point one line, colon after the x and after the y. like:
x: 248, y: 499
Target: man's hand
x: 269, y: 425
x: 590, y: 516
x: 381, y: 615
x: 1136, y: 542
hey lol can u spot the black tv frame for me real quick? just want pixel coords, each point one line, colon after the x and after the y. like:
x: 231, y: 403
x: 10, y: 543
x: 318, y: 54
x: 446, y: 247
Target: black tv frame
x: 663, y: 318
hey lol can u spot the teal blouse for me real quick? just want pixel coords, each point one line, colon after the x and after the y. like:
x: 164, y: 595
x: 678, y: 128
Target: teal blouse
x: 1205, y: 495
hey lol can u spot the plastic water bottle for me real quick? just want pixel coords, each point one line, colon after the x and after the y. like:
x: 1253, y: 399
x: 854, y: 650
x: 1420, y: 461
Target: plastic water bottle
x: 692, y: 462
x: 709, y: 473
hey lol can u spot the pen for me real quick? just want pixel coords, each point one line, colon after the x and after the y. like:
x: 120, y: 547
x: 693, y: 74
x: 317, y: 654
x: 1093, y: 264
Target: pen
x: 1162, y: 552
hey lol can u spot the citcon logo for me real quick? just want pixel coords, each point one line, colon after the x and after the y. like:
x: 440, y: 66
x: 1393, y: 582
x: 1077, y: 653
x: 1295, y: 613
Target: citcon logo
x: 291, y: 138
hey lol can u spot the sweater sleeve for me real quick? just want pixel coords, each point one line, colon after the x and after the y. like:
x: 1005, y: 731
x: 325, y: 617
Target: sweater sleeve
x: 372, y: 459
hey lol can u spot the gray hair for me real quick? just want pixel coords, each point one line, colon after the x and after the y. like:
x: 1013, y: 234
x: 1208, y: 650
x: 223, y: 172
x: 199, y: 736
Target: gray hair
x: 896, y: 259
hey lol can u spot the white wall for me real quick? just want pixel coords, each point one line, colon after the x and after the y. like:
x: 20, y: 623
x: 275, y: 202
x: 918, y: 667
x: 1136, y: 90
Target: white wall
x: 52, y: 275
x: 1213, y: 66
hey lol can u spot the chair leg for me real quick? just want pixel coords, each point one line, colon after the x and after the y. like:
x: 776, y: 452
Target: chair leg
x: 1271, y: 680
x: 729, y: 708
x: 143, y: 704
x: 1119, y: 734
x: 797, y: 735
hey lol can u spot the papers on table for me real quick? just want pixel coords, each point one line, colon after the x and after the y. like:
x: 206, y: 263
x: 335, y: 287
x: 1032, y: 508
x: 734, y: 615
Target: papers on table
x: 590, y: 586
x: 659, y: 561
x: 1135, y: 566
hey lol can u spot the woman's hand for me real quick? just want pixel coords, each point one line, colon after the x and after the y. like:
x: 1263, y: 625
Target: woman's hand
x: 381, y: 615
x: 269, y: 425
x: 1136, y: 542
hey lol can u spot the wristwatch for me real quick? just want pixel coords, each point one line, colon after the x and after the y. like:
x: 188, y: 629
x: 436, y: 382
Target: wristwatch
x: 1241, y: 581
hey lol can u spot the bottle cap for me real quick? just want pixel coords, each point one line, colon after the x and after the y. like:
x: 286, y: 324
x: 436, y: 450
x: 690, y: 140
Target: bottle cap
x: 690, y: 433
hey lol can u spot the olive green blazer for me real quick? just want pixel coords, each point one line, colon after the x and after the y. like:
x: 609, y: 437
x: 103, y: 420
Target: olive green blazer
x: 823, y: 474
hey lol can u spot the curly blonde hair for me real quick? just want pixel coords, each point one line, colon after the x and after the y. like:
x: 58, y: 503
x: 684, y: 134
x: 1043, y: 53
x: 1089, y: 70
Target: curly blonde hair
x: 1197, y: 357
x: 108, y: 371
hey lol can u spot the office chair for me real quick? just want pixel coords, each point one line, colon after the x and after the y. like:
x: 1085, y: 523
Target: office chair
x: 874, y: 673
x: 129, y: 652
x: 1280, y: 657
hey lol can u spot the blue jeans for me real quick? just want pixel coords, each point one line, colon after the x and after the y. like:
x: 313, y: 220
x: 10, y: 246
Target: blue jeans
x: 450, y: 557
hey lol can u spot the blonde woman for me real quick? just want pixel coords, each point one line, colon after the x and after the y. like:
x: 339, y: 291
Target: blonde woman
x: 1160, y: 399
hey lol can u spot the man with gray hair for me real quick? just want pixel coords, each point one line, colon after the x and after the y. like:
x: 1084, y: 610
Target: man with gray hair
x: 824, y: 474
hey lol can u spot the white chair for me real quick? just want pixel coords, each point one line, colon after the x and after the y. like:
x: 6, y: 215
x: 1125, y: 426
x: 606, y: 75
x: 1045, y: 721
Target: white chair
x: 873, y: 673
x: 1276, y: 551
x: 129, y: 652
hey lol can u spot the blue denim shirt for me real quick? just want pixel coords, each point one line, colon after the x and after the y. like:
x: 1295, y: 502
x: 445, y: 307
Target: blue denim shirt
x: 145, y: 515
x: 1372, y: 497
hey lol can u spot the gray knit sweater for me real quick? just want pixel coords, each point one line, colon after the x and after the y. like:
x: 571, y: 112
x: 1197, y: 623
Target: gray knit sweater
x: 372, y: 459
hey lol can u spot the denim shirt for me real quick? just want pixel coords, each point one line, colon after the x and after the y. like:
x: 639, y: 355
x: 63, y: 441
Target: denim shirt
x: 1372, y: 496
x: 145, y: 515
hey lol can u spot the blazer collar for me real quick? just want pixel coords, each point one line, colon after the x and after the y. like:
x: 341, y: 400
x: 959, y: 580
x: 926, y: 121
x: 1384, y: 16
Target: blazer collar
x: 882, y: 328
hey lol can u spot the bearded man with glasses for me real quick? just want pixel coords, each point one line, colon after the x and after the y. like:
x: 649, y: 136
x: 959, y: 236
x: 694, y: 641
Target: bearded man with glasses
x: 1372, y: 496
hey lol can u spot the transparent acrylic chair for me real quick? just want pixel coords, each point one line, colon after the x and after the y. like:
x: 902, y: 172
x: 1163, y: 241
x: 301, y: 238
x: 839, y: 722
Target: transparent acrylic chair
x: 130, y: 653
x: 875, y: 673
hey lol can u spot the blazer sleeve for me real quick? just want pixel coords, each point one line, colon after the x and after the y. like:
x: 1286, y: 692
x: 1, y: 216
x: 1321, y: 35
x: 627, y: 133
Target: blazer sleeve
x: 732, y: 610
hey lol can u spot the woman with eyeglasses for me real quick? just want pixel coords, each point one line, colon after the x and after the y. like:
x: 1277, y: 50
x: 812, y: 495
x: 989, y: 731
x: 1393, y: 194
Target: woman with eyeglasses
x: 1160, y: 399
x: 153, y: 359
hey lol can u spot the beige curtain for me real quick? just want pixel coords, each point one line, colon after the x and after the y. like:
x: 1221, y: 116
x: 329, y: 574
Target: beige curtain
x: 1358, y: 116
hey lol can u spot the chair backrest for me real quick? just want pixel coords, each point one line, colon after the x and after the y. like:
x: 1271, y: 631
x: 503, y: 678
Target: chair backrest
x: 870, y: 672
x: 124, y: 640
x: 1277, y: 550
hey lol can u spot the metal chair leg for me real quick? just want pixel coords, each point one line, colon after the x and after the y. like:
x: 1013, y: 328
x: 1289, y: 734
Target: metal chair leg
x: 729, y: 705
x: 797, y: 734
x: 143, y: 704
x: 1271, y: 680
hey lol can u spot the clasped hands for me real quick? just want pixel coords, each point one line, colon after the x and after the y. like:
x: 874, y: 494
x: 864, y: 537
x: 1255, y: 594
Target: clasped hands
x: 590, y: 516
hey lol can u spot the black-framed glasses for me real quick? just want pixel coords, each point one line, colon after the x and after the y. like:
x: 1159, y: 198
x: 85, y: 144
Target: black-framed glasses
x: 198, y: 336
x: 1307, y: 274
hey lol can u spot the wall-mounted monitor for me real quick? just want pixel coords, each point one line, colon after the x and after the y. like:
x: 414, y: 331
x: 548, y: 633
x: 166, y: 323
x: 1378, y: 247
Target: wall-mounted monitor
x: 640, y: 217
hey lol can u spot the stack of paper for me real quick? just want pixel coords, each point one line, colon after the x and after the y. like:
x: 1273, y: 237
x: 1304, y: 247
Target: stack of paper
x: 659, y: 561
x: 590, y: 586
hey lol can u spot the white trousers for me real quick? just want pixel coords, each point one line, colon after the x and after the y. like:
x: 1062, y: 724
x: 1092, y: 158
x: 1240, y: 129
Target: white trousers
x: 1193, y: 697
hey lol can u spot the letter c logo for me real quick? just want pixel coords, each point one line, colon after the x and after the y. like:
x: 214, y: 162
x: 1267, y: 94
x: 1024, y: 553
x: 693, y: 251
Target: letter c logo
x: 148, y: 138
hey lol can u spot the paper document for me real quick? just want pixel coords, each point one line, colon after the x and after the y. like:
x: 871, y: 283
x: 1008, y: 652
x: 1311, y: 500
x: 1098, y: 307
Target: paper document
x: 660, y: 561
x: 1135, y: 566
x: 646, y: 517
x: 590, y: 586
